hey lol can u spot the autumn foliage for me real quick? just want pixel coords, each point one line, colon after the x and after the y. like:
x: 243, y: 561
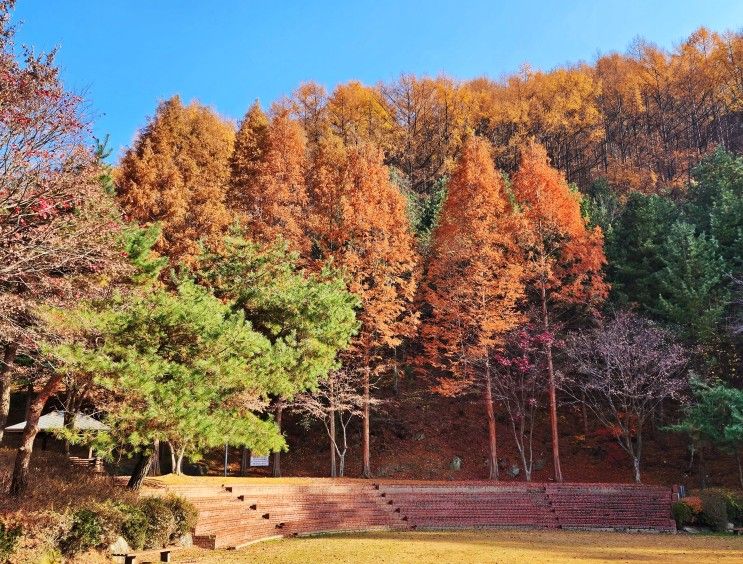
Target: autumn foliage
x: 176, y: 174
x: 467, y: 218
x: 474, y: 280
x: 564, y: 255
x: 267, y: 183
x: 359, y: 225
x: 564, y: 258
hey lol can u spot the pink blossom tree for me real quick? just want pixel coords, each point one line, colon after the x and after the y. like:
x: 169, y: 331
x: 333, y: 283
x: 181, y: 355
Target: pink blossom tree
x: 519, y: 386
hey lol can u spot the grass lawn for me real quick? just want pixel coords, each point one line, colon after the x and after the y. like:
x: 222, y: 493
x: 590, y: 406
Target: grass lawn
x: 531, y: 547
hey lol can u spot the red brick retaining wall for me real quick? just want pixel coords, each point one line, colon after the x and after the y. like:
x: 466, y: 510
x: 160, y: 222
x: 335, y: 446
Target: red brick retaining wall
x: 236, y: 515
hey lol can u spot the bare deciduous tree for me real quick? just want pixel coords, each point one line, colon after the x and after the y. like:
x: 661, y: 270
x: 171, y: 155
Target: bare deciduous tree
x: 623, y: 370
x: 336, y: 400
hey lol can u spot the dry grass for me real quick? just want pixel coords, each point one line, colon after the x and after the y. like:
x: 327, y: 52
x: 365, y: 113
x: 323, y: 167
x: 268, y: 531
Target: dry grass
x: 55, y: 485
x: 55, y: 488
x: 534, y: 547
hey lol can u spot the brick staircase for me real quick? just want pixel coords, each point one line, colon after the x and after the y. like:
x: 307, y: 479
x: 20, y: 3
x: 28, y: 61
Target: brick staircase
x: 235, y: 515
x: 612, y: 506
x: 524, y: 505
x: 468, y: 505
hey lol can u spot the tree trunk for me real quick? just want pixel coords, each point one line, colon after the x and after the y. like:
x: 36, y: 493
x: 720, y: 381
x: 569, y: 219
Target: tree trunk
x: 740, y: 468
x: 155, y: 459
x: 584, y: 410
x: 171, y: 448
x: 69, y: 424
x: 140, y: 471
x: 243, y: 461
x: 331, y: 430
x: 179, y: 461
x: 29, y: 397
x: 342, y: 454
x: 9, y: 352
x: 395, y: 373
x: 492, y: 431
x: 366, y: 471
x: 636, y: 468
x: 702, y: 469
x: 19, y: 482
x: 552, y: 393
x: 277, y: 454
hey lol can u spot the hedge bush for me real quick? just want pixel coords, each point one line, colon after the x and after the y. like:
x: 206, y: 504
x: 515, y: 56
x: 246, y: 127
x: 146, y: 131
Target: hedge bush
x: 714, y: 510
x: 153, y: 522
x: 682, y: 514
x: 733, y: 503
x: 161, y: 524
x: 185, y: 515
x: 134, y: 525
x: 86, y: 532
x: 9, y: 536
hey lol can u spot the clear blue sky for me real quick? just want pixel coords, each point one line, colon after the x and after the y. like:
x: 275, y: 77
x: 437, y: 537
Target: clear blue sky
x: 126, y: 55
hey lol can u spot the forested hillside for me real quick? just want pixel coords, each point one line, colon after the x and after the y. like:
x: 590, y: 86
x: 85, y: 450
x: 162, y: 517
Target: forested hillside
x: 493, y: 269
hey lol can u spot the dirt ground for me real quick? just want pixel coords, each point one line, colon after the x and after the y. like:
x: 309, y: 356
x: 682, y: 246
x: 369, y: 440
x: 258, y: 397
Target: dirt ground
x: 461, y: 547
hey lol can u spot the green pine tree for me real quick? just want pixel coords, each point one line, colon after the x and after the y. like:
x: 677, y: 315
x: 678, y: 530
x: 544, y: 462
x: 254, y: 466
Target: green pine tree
x: 693, y: 291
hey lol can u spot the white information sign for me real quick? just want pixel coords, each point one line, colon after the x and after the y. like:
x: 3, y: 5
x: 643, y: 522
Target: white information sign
x: 259, y: 460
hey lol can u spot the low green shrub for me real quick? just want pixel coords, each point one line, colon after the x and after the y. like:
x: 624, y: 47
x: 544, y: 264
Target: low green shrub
x: 9, y: 536
x: 184, y: 513
x: 714, y: 510
x: 160, y: 522
x: 733, y: 503
x: 134, y: 525
x: 86, y: 532
x: 682, y: 514
x: 111, y: 520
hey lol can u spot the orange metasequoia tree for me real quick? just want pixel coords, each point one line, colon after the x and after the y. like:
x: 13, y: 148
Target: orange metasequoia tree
x: 267, y: 187
x: 359, y: 222
x: 176, y: 174
x: 250, y: 148
x: 473, y: 285
x: 564, y: 258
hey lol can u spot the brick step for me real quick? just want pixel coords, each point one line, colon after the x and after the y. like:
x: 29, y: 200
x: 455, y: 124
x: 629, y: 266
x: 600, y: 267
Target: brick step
x: 474, y: 490
x: 482, y: 523
x: 485, y: 501
x: 314, y: 498
x: 317, y: 502
x: 291, y: 515
x: 613, y: 500
x: 461, y: 526
x: 229, y: 519
x: 288, y: 490
x: 344, y: 527
x: 430, y: 495
x: 245, y: 530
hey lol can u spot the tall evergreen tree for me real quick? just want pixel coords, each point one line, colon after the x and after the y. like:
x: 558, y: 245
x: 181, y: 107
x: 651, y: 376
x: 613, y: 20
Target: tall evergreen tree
x: 634, y: 249
x: 716, y: 204
x: 197, y: 369
x: 693, y: 290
